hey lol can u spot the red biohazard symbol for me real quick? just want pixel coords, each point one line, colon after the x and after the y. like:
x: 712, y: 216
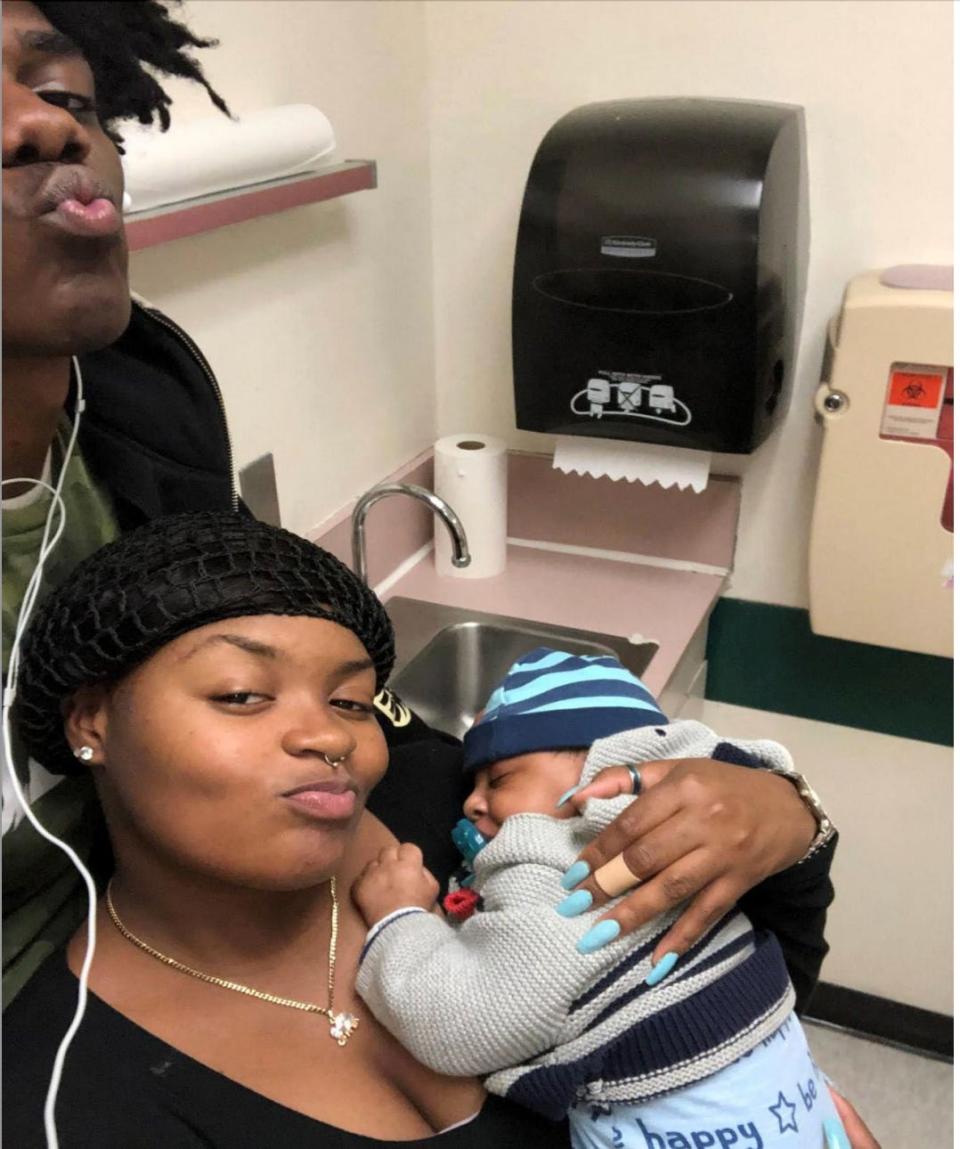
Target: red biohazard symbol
x: 911, y: 389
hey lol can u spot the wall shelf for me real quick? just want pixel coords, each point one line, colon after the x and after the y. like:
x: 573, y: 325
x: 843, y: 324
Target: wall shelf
x: 206, y: 213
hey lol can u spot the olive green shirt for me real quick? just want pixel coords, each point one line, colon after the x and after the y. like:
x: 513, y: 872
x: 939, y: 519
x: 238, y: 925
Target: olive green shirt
x: 43, y: 897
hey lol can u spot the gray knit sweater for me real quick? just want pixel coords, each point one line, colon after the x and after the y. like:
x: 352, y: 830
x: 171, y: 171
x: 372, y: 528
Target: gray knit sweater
x: 507, y: 995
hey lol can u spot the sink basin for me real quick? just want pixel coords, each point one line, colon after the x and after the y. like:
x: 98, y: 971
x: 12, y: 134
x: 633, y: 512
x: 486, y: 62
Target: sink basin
x: 449, y: 660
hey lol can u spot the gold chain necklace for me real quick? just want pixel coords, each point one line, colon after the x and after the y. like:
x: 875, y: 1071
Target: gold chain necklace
x: 342, y: 1025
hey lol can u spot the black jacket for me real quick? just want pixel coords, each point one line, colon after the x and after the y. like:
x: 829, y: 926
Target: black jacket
x: 154, y: 433
x: 153, y: 429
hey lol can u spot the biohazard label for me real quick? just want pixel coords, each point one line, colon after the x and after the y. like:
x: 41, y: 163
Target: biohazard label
x: 914, y: 401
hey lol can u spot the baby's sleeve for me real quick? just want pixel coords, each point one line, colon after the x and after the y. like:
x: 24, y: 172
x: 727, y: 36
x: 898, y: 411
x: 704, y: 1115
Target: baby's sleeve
x: 480, y: 998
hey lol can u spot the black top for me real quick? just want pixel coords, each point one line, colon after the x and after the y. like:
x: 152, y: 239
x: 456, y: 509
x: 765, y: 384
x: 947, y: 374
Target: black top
x: 123, y: 1088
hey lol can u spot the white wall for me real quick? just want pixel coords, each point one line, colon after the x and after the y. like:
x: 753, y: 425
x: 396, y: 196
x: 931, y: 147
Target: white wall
x: 890, y: 928
x: 317, y: 321
x: 347, y: 335
x: 875, y: 79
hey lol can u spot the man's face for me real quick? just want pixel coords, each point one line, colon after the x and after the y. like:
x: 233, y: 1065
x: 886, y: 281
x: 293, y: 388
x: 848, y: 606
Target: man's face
x: 64, y: 252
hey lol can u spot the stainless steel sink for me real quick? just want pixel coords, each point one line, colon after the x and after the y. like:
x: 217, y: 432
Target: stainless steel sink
x: 449, y: 659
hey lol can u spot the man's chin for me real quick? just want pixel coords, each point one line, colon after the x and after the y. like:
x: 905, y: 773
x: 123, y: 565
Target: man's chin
x: 94, y: 330
x: 88, y: 322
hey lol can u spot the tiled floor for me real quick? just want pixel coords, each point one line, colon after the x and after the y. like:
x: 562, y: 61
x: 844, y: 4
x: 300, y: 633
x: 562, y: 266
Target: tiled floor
x: 906, y: 1100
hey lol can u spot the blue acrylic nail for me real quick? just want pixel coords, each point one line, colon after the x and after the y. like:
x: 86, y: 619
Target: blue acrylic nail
x: 662, y: 968
x: 835, y: 1134
x: 575, y: 875
x: 566, y: 796
x: 575, y: 903
x: 596, y: 938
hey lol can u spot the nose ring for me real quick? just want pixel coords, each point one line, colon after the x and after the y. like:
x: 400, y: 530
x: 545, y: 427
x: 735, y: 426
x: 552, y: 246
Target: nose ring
x: 334, y: 762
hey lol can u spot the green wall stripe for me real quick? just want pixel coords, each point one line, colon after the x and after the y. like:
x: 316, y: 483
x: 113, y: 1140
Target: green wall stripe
x: 767, y: 657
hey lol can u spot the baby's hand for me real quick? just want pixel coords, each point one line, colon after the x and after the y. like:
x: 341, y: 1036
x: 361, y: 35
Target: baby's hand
x: 395, y: 878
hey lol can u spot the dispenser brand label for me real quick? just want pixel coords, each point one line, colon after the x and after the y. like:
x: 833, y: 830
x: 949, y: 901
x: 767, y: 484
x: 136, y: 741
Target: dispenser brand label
x: 628, y: 246
x: 619, y: 393
x: 914, y: 401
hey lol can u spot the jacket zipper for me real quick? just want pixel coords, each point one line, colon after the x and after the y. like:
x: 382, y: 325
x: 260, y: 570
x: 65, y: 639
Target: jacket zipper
x: 204, y: 366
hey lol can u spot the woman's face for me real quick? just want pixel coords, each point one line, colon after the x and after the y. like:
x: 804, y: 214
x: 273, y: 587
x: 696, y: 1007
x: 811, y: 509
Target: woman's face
x: 210, y: 756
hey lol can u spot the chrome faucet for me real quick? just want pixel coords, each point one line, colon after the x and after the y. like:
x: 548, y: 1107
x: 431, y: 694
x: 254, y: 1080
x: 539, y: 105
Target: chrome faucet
x: 461, y: 555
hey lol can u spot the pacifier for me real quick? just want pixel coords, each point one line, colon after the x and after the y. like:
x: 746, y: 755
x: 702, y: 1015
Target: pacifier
x: 468, y: 840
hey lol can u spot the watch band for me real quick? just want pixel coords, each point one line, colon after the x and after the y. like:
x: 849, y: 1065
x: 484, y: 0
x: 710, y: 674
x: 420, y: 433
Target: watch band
x: 810, y: 798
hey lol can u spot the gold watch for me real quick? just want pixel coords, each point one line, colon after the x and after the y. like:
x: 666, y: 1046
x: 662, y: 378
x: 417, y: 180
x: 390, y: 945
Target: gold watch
x: 810, y: 799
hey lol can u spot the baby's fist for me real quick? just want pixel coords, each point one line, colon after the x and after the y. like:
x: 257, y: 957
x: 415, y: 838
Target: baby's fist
x: 395, y: 878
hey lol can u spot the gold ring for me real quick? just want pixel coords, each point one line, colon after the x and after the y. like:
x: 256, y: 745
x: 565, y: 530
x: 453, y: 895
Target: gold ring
x: 616, y: 877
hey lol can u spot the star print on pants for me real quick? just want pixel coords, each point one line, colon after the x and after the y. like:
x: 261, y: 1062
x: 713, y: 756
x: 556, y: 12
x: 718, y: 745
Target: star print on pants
x: 778, y: 1111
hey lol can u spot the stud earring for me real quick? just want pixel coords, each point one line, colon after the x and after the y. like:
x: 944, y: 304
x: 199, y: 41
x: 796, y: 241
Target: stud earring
x: 84, y: 753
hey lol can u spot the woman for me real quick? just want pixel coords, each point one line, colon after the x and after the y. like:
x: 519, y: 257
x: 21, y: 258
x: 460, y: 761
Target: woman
x: 216, y: 676
x: 219, y: 678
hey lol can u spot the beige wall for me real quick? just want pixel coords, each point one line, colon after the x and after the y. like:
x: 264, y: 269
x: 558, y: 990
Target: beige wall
x: 347, y: 335
x: 875, y: 79
x: 317, y: 321
x: 890, y: 928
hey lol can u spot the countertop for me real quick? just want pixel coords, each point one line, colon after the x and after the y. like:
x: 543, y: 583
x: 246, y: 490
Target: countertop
x: 591, y: 593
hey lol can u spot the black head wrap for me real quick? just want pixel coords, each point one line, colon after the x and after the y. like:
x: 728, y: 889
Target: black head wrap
x: 173, y: 575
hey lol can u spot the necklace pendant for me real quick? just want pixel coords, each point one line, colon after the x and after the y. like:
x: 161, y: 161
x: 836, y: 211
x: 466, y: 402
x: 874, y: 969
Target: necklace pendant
x: 342, y: 1026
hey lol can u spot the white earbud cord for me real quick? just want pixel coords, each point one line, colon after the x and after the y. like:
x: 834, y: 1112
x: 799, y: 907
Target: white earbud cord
x: 47, y: 546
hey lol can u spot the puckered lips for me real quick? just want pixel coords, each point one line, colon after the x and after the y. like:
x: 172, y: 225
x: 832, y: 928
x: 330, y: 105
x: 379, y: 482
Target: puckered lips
x: 330, y: 800
x: 70, y: 197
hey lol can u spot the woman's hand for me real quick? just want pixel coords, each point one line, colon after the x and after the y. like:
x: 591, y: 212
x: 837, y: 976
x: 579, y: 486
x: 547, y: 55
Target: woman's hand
x: 858, y: 1135
x: 395, y: 878
x: 701, y: 831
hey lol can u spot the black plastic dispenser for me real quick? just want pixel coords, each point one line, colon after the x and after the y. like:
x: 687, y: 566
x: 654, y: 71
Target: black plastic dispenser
x: 658, y: 272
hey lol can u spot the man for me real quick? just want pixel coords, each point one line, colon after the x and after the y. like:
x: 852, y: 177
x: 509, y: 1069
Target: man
x: 152, y: 436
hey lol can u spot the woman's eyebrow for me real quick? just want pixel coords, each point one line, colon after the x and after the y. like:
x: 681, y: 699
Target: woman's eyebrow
x: 354, y: 666
x: 50, y: 43
x: 250, y: 645
x: 342, y: 671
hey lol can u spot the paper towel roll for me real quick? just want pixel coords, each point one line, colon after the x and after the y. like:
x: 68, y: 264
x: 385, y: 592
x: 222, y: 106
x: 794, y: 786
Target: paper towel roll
x: 215, y: 153
x: 636, y: 462
x: 470, y: 472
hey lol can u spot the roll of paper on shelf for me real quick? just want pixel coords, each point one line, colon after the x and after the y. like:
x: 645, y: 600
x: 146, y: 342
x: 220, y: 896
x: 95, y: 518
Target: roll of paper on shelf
x: 470, y: 472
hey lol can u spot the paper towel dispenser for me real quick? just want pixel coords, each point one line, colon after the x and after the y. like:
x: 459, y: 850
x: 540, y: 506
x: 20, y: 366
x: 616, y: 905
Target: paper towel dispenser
x: 657, y: 274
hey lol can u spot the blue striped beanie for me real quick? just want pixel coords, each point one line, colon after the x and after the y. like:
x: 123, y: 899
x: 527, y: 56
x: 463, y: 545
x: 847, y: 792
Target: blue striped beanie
x: 552, y: 700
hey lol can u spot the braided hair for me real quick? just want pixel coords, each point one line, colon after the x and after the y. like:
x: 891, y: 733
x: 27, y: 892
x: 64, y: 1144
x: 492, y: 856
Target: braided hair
x: 117, y: 39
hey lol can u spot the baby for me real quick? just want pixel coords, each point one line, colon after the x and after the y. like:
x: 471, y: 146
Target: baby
x: 707, y: 1052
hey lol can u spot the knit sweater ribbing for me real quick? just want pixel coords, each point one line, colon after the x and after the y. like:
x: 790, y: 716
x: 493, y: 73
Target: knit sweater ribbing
x: 507, y: 995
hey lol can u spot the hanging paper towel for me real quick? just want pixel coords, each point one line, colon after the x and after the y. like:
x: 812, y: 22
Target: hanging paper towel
x: 470, y: 472
x: 636, y: 462
x: 216, y: 154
